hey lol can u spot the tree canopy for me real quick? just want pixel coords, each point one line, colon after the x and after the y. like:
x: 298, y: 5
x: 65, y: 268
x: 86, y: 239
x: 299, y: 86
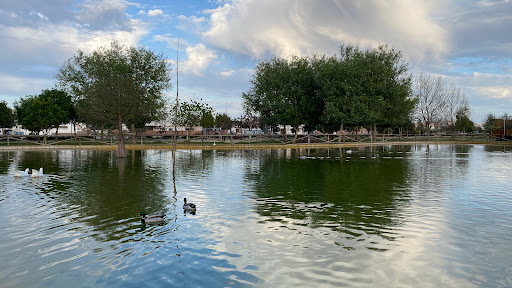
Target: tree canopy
x: 193, y: 113
x: 44, y: 111
x: 370, y: 87
x: 6, y: 116
x: 116, y: 86
x: 223, y: 121
x: 463, y: 124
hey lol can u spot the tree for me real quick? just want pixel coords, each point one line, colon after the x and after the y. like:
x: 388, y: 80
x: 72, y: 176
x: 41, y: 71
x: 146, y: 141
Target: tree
x: 191, y: 113
x: 207, y: 120
x: 44, y: 111
x: 223, y: 121
x: 369, y: 87
x: 116, y: 86
x: 490, y: 123
x: 391, y: 84
x: 333, y: 78
x: 27, y: 112
x: 248, y: 120
x: 439, y: 101
x: 284, y: 92
x: 66, y: 109
x: 463, y: 123
x: 456, y: 101
x: 430, y: 94
x: 6, y: 116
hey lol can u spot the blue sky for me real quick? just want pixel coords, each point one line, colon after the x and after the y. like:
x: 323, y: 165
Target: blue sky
x: 469, y: 42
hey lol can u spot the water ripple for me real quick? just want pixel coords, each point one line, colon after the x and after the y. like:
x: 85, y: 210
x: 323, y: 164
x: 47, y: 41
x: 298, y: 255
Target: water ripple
x: 417, y: 216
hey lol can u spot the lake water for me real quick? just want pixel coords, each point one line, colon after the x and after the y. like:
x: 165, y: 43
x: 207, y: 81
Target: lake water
x: 388, y: 216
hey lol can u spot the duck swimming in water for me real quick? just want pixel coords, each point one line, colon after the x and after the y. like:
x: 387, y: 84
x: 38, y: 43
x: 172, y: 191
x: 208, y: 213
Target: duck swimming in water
x: 151, y: 219
x: 188, y: 206
x: 21, y: 173
x: 37, y: 173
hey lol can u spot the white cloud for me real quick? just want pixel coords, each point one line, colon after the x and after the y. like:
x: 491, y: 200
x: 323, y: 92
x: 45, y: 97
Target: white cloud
x: 191, y: 24
x: 56, y: 38
x: 226, y: 74
x: 499, y: 92
x: 14, y: 86
x: 155, y: 12
x: 479, y: 29
x: 192, y: 19
x: 175, y: 43
x: 32, y: 51
x: 292, y: 27
x: 199, y: 57
x: 42, y: 16
x: 104, y: 15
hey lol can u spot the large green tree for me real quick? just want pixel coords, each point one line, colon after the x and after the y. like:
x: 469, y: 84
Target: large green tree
x: 207, y: 120
x: 27, y: 112
x: 370, y: 87
x: 463, y: 123
x: 223, y: 121
x: 6, y: 116
x: 66, y: 111
x: 44, y: 111
x: 284, y: 92
x: 192, y: 113
x: 116, y: 86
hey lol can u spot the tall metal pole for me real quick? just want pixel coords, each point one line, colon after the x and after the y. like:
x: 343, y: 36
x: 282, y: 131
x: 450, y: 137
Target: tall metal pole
x: 176, y: 115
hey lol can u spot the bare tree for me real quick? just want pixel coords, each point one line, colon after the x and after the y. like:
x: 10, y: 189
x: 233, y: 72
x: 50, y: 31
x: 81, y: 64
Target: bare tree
x: 456, y: 102
x: 438, y: 102
x: 430, y: 93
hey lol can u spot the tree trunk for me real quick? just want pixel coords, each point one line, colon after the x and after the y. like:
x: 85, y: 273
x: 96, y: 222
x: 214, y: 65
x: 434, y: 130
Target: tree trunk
x: 74, y: 128
x: 134, y: 134
x: 121, y: 150
x: 341, y: 133
x: 57, y: 135
x: 374, y: 132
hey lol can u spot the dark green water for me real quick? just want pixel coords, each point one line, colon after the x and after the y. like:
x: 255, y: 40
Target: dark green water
x: 392, y: 216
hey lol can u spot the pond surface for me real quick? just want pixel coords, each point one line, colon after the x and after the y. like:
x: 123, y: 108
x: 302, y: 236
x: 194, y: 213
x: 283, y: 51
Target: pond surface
x: 391, y: 216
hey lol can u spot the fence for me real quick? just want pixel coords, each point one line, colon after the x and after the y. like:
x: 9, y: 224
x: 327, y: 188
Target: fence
x: 276, y: 139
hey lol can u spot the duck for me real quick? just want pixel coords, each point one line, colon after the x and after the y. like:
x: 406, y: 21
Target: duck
x: 37, y: 173
x: 151, y: 219
x: 188, y: 206
x: 21, y: 173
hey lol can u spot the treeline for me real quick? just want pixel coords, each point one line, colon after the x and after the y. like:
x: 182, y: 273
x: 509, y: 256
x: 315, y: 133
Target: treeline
x: 503, y: 123
x: 39, y: 112
x: 359, y: 88
x: 370, y: 88
x: 118, y: 86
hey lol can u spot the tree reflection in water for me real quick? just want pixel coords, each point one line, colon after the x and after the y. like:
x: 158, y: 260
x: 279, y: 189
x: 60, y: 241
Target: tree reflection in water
x: 354, y: 194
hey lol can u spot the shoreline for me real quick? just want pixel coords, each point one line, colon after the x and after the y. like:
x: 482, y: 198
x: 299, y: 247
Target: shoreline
x: 244, y: 146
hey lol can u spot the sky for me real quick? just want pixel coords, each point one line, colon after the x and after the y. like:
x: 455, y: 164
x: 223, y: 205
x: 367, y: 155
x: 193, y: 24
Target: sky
x: 219, y: 43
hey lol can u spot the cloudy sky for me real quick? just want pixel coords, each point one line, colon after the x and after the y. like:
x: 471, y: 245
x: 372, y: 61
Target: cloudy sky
x: 470, y: 42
